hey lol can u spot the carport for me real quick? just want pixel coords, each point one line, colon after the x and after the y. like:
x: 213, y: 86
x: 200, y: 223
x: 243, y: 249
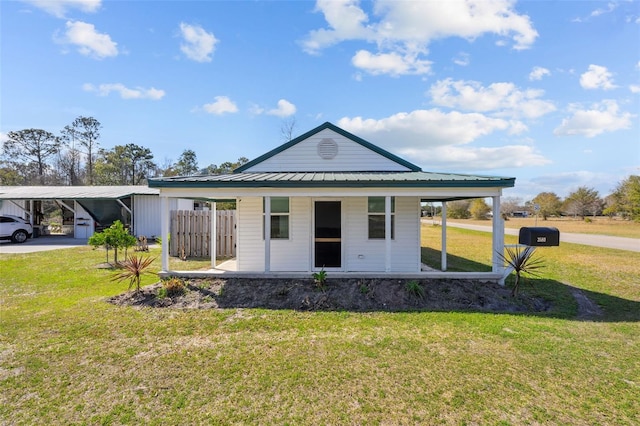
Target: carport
x: 86, y: 209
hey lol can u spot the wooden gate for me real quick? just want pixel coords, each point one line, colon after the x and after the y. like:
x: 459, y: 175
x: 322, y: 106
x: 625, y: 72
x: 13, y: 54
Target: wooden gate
x: 191, y: 233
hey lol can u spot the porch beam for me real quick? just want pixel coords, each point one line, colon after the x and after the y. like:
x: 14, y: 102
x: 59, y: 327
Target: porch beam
x: 164, y: 231
x: 21, y: 208
x: 498, y: 236
x: 387, y: 233
x: 65, y: 205
x: 443, y: 251
x: 214, y: 234
x: 125, y: 206
x: 267, y: 233
x: 129, y: 210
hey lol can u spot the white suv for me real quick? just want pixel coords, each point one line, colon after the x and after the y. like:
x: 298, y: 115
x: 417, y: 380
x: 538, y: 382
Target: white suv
x: 15, y: 229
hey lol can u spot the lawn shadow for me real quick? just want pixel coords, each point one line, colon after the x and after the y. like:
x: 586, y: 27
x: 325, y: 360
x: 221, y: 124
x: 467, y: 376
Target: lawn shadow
x: 568, y: 301
x: 433, y: 259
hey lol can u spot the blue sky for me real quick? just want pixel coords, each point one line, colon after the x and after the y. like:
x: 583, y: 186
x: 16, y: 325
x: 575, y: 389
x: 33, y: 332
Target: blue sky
x: 547, y: 92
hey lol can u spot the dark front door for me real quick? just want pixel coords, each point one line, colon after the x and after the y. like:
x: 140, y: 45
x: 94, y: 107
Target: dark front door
x: 328, y: 234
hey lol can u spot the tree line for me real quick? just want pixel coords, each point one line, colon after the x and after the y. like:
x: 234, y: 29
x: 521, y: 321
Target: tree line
x: 74, y: 156
x: 623, y: 202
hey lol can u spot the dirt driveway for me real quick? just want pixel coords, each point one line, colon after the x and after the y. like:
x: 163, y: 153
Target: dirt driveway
x: 45, y: 243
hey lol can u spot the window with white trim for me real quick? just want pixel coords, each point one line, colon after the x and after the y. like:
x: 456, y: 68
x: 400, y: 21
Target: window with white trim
x: 376, y: 217
x: 279, y: 218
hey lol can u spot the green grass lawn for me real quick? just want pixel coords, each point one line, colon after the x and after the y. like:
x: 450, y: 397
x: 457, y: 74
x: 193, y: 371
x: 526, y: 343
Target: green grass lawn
x: 68, y: 357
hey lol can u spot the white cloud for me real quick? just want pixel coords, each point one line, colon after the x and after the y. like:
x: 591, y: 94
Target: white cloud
x: 284, y: 109
x: 390, y: 63
x: 597, y: 77
x: 635, y: 88
x: 59, y: 8
x: 611, y: 6
x: 425, y: 128
x: 221, y: 106
x: 405, y: 29
x: 538, y: 72
x: 89, y: 41
x: 198, y: 44
x: 601, y: 117
x: 125, y: 92
x: 433, y: 137
x: 256, y: 109
x: 502, y: 99
x: 3, y: 137
x: 483, y: 158
x: 346, y: 21
x: 463, y: 59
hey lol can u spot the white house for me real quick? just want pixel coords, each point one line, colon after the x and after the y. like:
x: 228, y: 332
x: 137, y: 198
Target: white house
x: 90, y: 208
x: 331, y: 200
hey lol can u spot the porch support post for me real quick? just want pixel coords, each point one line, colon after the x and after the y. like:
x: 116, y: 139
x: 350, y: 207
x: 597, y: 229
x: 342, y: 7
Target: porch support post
x: 267, y: 234
x: 214, y: 234
x: 132, y: 225
x: 443, y: 253
x: 498, y: 236
x: 164, y: 231
x: 387, y: 233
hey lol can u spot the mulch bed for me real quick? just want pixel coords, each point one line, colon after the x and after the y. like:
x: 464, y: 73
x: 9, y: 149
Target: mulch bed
x: 360, y: 295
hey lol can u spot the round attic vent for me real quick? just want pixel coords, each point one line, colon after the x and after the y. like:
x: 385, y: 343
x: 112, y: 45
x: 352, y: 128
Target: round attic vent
x: 327, y: 149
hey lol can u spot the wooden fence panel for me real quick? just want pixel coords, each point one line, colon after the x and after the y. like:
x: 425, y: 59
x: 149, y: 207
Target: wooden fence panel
x: 191, y: 233
x: 226, y: 235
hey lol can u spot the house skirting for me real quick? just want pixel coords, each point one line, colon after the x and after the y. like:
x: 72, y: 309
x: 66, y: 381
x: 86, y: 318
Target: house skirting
x: 220, y: 273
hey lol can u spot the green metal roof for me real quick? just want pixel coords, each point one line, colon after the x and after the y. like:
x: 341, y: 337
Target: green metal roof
x: 338, y: 130
x: 334, y: 180
x: 73, y: 192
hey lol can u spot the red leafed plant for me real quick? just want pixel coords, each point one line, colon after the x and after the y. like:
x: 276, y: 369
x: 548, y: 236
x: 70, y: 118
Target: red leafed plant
x: 133, y: 269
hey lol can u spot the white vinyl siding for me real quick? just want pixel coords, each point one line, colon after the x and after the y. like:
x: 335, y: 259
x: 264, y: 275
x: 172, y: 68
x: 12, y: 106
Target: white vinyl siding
x: 294, y: 254
x: 405, y: 248
x: 8, y: 207
x: 303, y: 157
x: 361, y: 253
x: 250, y: 249
x: 365, y: 255
x: 146, y: 213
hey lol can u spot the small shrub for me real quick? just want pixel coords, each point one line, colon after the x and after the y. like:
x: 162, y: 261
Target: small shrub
x: 364, y: 287
x: 320, y: 278
x: 174, y: 287
x: 415, y: 289
x: 588, y: 220
x: 162, y: 293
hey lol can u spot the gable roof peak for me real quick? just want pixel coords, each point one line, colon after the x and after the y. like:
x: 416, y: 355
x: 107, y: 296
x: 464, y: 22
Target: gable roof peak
x: 333, y: 127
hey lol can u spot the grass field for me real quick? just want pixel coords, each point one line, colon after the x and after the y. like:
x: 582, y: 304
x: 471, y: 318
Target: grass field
x: 597, y: 225
x: 68, y: 357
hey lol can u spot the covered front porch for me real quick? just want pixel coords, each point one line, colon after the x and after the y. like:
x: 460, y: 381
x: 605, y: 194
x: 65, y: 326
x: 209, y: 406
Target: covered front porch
x: 229, y: 268
x: 331, y: 201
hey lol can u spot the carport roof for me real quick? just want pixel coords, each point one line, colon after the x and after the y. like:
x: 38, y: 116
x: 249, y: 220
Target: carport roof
x: 73, y: 192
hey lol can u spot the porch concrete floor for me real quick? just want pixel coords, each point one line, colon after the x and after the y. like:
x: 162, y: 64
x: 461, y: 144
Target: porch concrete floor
x: 231, y: 265
x: 229, y: 269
